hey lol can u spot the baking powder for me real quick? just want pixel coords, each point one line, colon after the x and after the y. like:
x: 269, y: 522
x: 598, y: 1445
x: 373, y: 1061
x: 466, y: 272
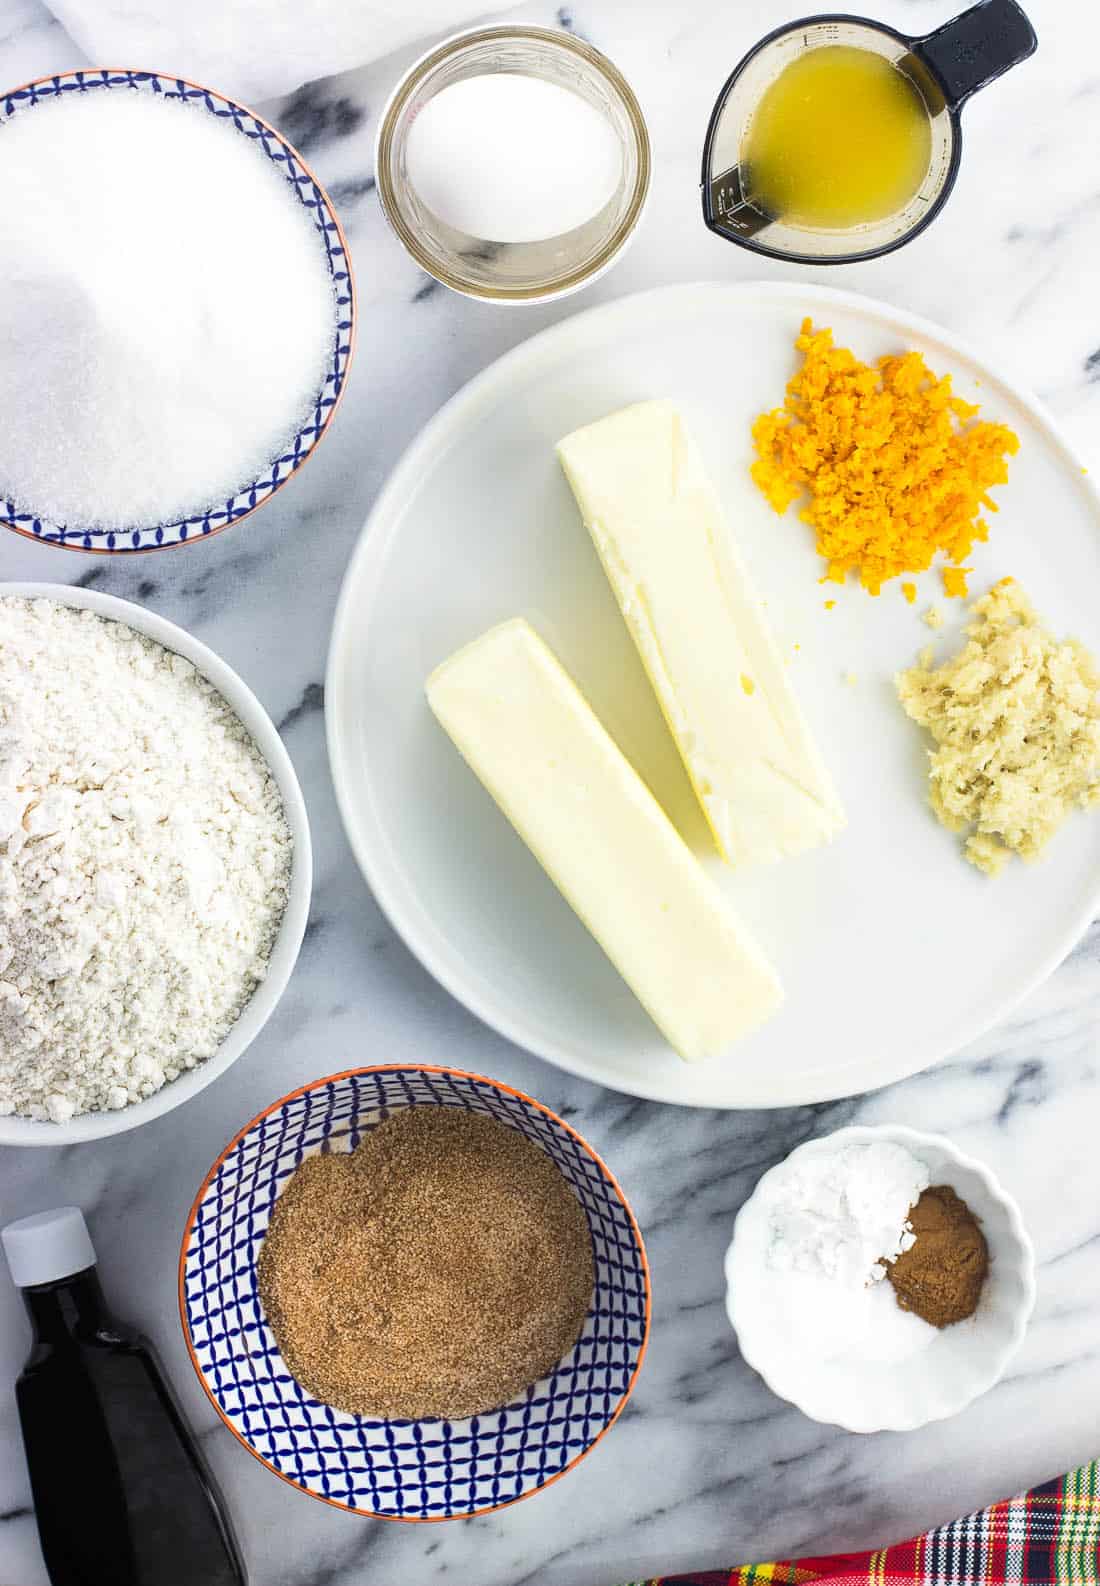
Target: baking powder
x: 836, y: 1218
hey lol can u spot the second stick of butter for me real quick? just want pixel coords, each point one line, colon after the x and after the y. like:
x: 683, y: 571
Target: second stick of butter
x: 658, y: 526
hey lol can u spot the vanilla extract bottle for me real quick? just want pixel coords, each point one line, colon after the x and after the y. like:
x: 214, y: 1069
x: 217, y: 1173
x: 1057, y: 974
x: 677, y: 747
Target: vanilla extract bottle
x: 121, y: 1494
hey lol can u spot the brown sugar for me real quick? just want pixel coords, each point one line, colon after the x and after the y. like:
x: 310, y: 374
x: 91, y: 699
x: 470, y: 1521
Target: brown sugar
x: 437, y: 1270
x: 940, y: 1276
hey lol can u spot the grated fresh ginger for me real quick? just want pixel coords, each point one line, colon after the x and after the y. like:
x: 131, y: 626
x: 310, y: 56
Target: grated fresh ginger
x: 1016, y: 722
x: 896, y: 467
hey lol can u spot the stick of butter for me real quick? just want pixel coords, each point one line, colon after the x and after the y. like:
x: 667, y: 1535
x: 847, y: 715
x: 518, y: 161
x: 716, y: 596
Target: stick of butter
x: 658, y: 527
x: 526, y: 730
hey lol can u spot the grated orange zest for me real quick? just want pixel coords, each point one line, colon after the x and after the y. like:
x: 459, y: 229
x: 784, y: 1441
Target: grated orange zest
x: 896, y: 468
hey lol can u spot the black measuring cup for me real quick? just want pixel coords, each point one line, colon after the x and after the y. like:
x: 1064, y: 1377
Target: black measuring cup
x: 946, y: 67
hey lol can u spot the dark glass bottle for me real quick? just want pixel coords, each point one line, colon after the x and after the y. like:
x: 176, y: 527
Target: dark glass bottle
x: 121, y: 1493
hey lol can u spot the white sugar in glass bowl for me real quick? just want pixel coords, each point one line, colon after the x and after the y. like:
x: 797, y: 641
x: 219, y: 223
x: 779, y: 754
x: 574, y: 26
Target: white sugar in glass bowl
x: 961, y: 1362
x: 288, y: 940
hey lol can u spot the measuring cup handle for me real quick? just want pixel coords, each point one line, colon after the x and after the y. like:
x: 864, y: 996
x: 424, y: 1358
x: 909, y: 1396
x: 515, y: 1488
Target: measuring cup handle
x: 972, y: 49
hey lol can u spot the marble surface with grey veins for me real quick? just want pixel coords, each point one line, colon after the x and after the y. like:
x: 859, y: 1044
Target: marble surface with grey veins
x: 706, y: 1466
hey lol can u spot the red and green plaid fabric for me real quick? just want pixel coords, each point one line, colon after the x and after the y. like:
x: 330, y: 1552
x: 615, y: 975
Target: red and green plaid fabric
x: 1049, y: 1536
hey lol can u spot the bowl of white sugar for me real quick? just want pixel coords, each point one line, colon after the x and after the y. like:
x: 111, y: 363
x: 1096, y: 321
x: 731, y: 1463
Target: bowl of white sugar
x: 155, y: 865
x: 176, y: 311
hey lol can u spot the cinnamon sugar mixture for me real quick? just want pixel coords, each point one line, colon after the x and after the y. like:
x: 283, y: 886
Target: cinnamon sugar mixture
x: 437, y: 1270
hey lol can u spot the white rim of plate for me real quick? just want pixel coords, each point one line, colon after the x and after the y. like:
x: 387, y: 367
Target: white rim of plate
x: 367, y: 561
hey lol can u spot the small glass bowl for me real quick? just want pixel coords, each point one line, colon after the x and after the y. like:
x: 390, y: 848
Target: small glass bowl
x: 529, y: 272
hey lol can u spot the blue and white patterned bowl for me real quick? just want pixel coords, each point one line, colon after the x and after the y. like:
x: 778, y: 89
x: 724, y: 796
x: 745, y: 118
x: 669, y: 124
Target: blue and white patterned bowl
x: 401, y: 1470
x: 312, y: 196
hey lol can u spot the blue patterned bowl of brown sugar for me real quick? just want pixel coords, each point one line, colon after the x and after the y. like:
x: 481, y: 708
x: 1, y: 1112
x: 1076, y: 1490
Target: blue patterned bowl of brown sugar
x: 414, y: 1292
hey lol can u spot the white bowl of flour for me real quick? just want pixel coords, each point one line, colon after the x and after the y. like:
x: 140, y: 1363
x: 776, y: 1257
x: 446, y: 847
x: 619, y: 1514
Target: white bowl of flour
x: 155, y: 865
x: 807, y: 1293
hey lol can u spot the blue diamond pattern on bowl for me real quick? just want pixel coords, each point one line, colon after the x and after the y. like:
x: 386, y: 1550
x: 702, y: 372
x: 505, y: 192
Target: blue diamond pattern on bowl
x: 407, y: 1470
x: 312, y: 197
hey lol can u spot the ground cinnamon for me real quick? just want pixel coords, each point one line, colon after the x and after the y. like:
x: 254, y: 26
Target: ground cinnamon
x: 437, y: 1270
x: 940, y: 1276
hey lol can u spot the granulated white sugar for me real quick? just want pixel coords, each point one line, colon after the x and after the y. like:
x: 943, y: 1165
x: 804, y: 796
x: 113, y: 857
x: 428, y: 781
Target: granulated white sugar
x: 166, y: 310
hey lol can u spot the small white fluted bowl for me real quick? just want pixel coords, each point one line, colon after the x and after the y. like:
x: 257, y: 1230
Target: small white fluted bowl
x: 288, y: 939
x: 961, y: 1362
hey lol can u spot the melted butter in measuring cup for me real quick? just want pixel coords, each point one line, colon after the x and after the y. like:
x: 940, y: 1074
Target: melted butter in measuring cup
x: 842, y: 137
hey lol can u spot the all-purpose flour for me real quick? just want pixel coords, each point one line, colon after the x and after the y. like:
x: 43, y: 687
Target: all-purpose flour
x: 144, y: 863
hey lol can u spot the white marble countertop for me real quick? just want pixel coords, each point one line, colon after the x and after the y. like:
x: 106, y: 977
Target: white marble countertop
x: 706, y: 1467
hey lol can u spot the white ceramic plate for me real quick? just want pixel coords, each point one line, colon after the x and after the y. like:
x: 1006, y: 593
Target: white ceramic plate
x: 893, y: 949
x: 284, y: 953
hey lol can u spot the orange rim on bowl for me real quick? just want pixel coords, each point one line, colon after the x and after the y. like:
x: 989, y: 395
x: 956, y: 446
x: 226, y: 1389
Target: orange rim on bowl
x: 515, y: 1103
x: 253, y: 496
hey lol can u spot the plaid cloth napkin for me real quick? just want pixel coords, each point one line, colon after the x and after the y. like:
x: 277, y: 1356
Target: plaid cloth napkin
x: 1049, y: 1536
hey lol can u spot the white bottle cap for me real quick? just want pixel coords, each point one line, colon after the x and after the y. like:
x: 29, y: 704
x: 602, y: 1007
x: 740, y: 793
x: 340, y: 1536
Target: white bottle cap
x: 47, y: 1246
